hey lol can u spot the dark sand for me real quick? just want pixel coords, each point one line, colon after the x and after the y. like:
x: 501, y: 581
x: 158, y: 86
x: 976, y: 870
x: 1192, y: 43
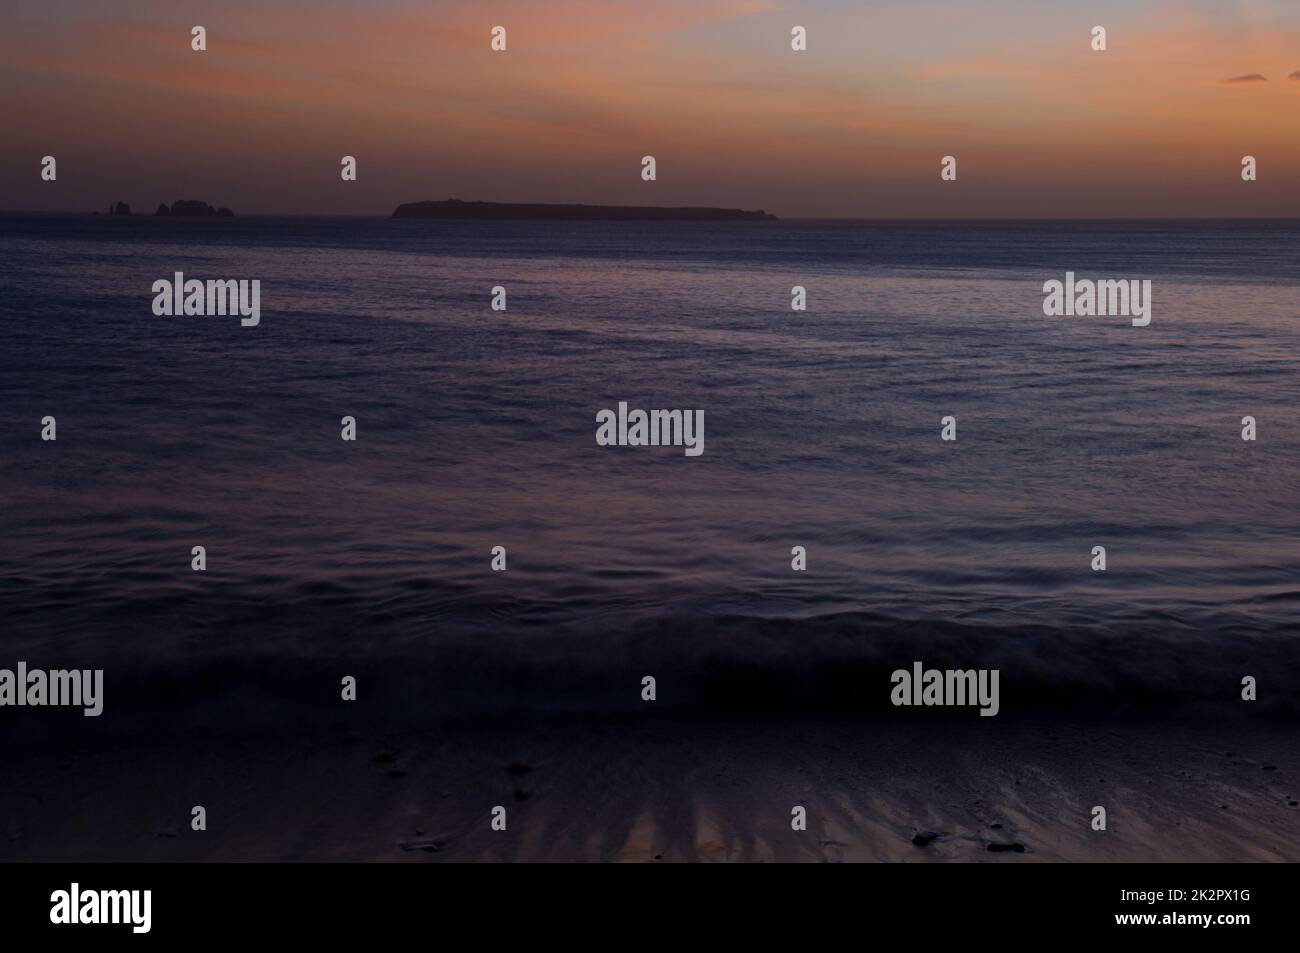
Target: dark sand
x: 673, y: 788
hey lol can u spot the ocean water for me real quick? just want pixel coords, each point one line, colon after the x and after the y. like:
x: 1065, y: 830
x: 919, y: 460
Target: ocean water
x: 822, y: 429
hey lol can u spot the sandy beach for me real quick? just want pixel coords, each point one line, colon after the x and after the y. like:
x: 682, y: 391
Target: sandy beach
x: 647, y: 789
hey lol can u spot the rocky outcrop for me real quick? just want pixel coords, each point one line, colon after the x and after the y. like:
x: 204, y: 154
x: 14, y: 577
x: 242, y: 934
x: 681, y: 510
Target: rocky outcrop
x: 192, y: 207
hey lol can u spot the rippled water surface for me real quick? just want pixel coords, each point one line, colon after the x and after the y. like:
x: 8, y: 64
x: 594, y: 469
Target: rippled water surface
x: 476, y: 428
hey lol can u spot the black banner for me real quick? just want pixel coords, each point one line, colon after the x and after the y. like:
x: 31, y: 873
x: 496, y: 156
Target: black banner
x: 328, y: 903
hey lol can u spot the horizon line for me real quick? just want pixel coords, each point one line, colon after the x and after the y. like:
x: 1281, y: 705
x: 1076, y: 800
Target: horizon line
x: 779, y: 218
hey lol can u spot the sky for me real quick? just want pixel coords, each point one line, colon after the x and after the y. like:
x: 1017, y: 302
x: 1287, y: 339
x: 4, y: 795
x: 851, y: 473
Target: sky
x: 856, y: 126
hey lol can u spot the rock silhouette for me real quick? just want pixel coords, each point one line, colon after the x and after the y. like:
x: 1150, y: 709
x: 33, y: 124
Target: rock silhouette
x: 196, y: 208
x: 192, y: 207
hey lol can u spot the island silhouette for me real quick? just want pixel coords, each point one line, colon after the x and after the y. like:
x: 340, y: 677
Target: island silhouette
x: 457, y: 209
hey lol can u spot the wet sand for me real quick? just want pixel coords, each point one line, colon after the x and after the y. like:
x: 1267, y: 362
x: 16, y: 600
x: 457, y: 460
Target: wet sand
x: 676, y: 788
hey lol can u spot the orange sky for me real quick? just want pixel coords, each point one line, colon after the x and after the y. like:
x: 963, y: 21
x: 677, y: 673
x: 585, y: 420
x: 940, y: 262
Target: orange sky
x: 1040, y: 124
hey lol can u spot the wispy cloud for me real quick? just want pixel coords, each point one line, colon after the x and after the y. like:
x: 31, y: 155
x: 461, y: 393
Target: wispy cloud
x: 1295, y: 75
x: 1248, y: 78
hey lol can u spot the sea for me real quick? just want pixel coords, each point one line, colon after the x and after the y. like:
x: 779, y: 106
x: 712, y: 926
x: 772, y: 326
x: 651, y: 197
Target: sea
x: 475, y: 429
